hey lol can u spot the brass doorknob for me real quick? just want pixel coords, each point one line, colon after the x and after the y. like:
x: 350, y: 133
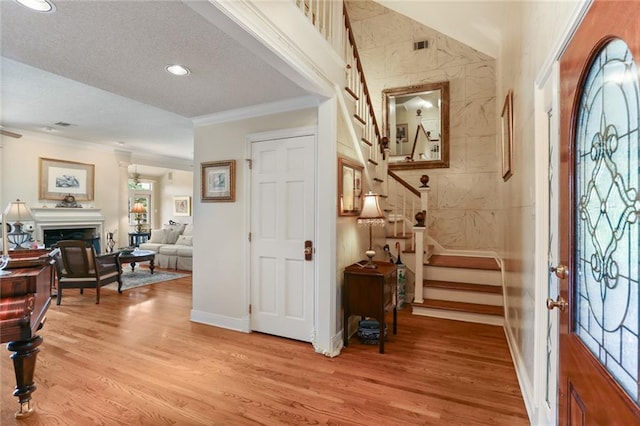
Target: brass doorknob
x: 561, y: 271
x: 559, y: 303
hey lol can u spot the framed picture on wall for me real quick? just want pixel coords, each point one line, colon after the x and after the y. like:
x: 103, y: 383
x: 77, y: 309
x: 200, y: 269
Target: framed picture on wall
x: 350, y: 187
x: 402, y: 133
x: 59, y: 178
x: 182, y: 206
x: 507, y: 136
x: 218, y: 181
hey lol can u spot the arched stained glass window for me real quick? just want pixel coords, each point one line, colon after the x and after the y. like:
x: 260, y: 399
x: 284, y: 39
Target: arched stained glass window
x: 607, y: 214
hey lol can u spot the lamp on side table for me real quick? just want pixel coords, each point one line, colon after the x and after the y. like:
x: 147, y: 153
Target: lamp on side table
x: 371, y: 215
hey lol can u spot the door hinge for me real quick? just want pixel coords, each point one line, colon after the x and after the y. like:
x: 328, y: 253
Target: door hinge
x: 249, y: 236
x: 249, y: 162
x: 249, y: 307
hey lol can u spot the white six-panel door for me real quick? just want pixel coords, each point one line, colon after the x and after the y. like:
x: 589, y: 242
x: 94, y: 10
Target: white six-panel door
x: 282, y: 219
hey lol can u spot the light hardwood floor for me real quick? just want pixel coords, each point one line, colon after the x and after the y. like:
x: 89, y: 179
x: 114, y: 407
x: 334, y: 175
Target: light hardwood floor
x: 136, y: 359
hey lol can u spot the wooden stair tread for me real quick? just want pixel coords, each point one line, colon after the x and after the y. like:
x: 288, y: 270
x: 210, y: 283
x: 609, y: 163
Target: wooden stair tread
x: 461, y: 307
x: 469, y: 262
x: 450, y: 285
x: 351, y: 93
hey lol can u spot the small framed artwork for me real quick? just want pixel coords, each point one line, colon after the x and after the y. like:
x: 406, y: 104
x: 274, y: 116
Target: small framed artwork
x: 507, y: 136
x: 60, y: 178
x: 402, y: 133
x: 182, y: 206
x: 218, y: 181
x: 350, y: 187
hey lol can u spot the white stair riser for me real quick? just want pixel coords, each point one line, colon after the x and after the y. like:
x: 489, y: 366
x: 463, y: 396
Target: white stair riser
x: 463, y: 296
x: 459, y: 316
x: 460, y: 275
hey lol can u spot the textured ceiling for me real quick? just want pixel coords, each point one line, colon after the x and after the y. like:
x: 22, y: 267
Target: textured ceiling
x: 100, y: 66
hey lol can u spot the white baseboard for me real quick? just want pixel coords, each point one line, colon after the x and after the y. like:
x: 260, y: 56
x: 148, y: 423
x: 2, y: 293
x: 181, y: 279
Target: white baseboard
x: 231, y: 323
x: 526, y: 388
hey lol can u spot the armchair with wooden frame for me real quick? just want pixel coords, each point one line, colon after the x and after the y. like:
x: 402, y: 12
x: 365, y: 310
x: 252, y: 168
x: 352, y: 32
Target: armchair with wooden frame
x: 78, y: 266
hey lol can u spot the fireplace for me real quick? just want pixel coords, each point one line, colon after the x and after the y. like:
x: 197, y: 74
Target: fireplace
x: 59, y: 223
x: 88, y: 235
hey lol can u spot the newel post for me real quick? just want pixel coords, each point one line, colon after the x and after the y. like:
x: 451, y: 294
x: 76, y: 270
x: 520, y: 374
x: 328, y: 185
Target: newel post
x: 418, y: 231
x: 424, y: 202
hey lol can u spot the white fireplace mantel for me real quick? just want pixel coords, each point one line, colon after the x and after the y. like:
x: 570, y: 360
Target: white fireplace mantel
x: 62, y: 217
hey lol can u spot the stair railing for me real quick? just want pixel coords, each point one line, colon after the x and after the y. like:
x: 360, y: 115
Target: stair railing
x: 356, y: 87
x: 402, y: 204
x: 324, y: 15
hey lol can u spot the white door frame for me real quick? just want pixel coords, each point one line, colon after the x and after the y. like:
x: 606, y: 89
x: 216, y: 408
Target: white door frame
x: 549, y: 74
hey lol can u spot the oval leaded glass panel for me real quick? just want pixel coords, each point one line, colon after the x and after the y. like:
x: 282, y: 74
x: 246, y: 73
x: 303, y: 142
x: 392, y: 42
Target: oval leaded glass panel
x: 607, y: 222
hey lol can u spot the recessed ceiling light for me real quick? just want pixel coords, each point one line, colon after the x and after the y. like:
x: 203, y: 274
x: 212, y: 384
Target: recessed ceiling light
x: 38, y: 5
x: 177, y: 70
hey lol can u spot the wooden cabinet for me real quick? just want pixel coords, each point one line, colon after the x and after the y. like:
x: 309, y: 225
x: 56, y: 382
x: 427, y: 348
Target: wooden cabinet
x: 370, y: 293
x: 26, y: 296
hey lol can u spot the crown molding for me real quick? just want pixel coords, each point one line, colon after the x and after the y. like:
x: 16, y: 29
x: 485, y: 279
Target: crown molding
x: 257, y: 111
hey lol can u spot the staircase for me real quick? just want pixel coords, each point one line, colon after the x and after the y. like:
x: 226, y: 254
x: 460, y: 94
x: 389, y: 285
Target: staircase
x: 458, y: 287
x: 462, y: 288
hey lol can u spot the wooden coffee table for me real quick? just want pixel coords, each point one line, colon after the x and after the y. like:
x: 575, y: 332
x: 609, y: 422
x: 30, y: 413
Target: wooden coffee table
x: 138, y: 256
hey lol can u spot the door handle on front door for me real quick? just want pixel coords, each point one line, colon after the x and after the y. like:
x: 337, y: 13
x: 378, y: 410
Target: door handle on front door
x: 561, y: 271
x: 308, y: 250
x: 559, y: 303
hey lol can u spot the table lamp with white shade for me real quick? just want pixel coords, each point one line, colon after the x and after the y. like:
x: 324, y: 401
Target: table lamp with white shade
x: 16, y: 212
x: 370, y: 216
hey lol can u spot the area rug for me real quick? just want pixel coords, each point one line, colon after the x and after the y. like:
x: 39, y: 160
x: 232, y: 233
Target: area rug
x: 141, y: 277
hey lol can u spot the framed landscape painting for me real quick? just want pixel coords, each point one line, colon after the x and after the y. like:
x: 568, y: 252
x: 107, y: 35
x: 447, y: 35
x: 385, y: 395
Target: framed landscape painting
x: 218, y: 181
x: 59, y: 178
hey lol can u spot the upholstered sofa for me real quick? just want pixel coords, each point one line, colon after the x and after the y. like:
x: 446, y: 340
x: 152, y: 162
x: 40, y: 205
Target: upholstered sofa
x: 173, y: 245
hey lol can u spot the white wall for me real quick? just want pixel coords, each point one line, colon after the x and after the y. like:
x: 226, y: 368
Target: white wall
x: 20, y: 173
x: 531, y: 29
x: 463, y: 213
x: 220, y: 263
x: 181, y: 184
x: 19, y: 178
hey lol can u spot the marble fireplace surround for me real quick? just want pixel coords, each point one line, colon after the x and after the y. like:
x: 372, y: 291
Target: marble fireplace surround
x: 54, y: 218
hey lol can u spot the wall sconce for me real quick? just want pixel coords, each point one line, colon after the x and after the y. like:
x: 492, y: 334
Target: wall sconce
x: 370, y: 216
x: 16, y: 212
x: 139, y: 209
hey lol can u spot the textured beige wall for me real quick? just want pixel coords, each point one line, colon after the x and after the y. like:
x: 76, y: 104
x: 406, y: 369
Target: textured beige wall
x: 464, y: 211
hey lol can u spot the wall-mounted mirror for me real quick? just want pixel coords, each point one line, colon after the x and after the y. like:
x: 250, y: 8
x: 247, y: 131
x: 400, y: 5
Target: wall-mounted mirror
x: 416, y: 121
x: 350, y: 187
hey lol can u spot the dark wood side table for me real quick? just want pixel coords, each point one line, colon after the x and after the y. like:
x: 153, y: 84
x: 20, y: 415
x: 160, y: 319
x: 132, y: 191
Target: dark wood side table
x: 137, y: 238
x: 371, y: 293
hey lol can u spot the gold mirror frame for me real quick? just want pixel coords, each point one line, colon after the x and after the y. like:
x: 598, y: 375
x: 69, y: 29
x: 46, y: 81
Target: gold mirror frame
x: 350, y: 187
x: 389, y: 96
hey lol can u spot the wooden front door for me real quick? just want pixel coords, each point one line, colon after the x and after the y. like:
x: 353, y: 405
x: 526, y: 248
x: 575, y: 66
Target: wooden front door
x: 599, y: 222
x: 282, y: 219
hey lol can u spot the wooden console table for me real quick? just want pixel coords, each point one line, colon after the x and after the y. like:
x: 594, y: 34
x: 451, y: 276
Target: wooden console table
x: 371, y: 293
x: 26, y: 296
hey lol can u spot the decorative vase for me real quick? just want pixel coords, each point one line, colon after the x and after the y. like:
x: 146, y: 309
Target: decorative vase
x: 110, y: 242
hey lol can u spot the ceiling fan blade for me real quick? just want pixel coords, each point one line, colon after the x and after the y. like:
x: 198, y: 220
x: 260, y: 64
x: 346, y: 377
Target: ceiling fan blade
x: 10, y: 134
